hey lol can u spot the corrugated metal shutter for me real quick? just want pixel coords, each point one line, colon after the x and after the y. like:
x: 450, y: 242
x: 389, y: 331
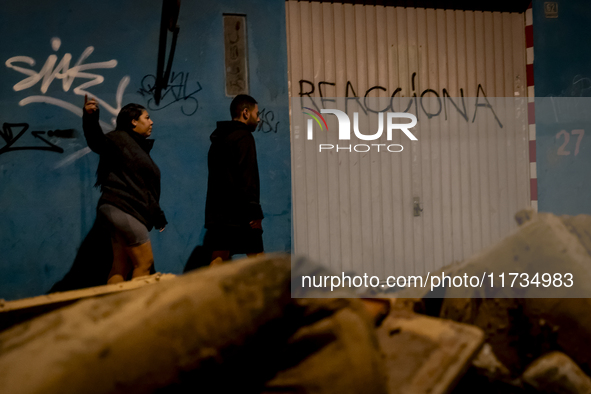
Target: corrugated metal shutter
x: 470, y: 184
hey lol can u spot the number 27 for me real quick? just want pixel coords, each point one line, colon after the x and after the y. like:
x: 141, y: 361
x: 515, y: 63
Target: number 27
x: 579, y: 132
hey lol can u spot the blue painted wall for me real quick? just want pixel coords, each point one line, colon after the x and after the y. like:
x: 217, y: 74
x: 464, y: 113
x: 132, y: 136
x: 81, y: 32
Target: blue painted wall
x: 562, y: 71
x: 47, y: 199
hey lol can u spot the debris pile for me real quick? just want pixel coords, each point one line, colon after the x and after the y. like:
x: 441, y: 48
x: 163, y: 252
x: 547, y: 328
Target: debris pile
x: 532, y: 343
x: 236, y: 328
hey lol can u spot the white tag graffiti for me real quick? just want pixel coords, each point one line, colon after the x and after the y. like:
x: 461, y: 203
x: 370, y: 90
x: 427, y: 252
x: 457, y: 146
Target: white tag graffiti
x: 62, y: 71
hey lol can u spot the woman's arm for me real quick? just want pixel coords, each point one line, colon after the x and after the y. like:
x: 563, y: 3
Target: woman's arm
x: 95, y: 138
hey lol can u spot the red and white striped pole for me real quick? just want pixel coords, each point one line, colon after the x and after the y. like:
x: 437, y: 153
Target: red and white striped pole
x: 531, y: 114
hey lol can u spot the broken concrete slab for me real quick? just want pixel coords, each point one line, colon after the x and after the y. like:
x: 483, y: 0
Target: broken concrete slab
x: 217, y: 329
x: 579, y: 225
x: 562, y: 324
x: 487, y: 364
x: 488, y: 375
x: 522, y: 323
x: 505, y: 327
x: 143, y: 339
x: 337, y: 354
x: 543, y: 244
x: 17, y: 311
x: 521, y: 329
x: 555, y: 372
x: 425, y: 354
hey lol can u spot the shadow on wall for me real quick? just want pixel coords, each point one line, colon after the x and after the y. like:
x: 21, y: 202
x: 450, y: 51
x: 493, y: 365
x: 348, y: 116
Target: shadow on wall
x: 95, y: 256
x: 92, y: 262
x: 199, y: 258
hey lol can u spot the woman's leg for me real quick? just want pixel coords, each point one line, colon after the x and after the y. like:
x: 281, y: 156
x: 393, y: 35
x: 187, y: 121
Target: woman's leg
x: 132, y: 249
x: 142, y: 258
x: 219, y: 256
x: 121, y: 265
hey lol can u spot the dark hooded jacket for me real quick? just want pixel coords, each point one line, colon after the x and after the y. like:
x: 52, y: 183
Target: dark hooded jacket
x: 128, y: 177
x: 233, y: 188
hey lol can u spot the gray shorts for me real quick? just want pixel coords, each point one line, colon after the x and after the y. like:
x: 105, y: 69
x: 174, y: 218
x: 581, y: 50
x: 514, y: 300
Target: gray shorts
x: 124, y: 227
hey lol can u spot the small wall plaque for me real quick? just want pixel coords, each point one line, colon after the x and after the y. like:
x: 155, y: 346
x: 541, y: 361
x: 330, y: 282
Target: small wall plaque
x: 236, y: 56
x: 551, y: 9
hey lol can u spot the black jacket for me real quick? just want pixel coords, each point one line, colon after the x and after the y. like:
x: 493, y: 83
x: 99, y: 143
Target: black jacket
x: 128, y: 177
x: 233, y: 188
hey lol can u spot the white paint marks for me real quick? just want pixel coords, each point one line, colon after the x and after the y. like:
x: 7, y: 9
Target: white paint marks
x: 62, y: 71
x: 60, y: 103
x: 72, y: 158
x: 56, y: 43
x: 50, y: 71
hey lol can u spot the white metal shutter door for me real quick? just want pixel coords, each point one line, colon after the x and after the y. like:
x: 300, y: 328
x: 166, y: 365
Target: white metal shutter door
x: 355, y: 212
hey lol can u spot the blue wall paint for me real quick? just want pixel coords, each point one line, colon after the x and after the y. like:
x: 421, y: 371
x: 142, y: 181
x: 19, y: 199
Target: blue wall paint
x: 562, y: 68
x: 47, y: 205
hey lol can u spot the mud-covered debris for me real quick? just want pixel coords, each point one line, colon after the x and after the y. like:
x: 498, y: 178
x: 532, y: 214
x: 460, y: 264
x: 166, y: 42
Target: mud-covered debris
x: 487, y: 364
x: 556, y: 372
x: 426, y: 354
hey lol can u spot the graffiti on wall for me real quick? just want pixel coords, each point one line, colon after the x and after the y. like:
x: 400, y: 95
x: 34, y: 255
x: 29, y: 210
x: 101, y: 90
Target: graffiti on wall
x: 82, y: 73
x: 8, y: 135
x: 267, y: 122
x: 174, y: 92
x: 307, y: 89
x: 580, y: 87
x: 68, y: 74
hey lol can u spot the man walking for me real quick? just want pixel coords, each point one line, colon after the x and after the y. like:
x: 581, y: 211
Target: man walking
x: 233, y: 211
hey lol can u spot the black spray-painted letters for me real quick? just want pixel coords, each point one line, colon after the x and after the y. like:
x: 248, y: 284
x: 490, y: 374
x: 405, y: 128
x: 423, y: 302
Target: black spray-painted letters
x: 174, y: 91
x: 8, y: 130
